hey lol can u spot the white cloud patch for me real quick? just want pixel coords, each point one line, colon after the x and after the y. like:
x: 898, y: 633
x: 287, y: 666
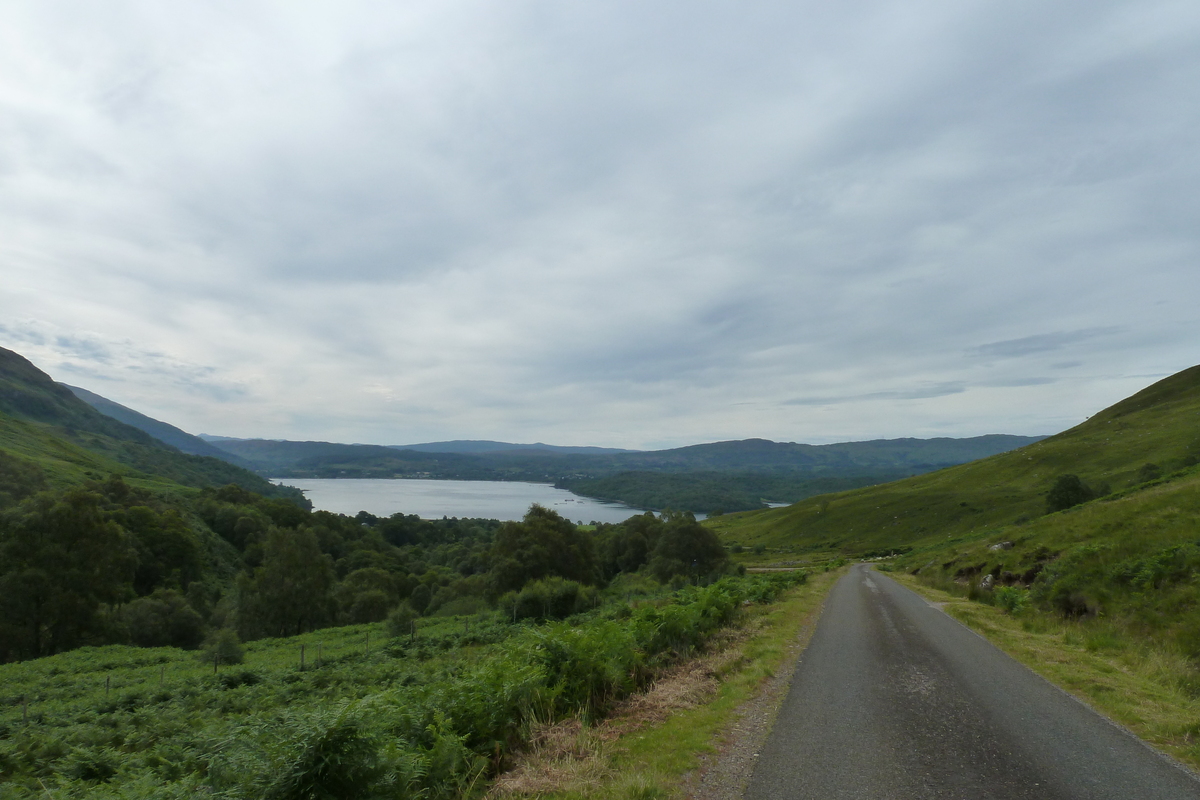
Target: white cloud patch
x: 612, y: 224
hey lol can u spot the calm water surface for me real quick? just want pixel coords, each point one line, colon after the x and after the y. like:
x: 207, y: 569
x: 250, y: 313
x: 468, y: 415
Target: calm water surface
x: 429, y: 499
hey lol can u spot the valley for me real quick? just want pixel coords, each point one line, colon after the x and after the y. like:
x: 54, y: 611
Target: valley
x: 126, y: 557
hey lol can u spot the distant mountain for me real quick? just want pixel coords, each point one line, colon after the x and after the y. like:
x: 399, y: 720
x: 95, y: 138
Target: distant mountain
x: 483, y: 446
x: 162, y: 431
x: 532, y: 463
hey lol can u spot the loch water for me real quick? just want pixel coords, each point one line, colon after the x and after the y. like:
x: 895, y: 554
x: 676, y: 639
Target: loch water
x: 434, y: 499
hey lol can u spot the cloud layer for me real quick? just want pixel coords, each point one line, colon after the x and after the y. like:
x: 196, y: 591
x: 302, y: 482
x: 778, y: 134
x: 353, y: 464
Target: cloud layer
x: 609, y: 224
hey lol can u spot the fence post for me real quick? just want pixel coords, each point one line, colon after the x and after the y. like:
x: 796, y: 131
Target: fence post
x: 302, y: 658
x: 368, y: 650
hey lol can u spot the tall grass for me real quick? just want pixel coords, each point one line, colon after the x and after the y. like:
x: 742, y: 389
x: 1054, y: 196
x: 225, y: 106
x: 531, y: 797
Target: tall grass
x: 429, y: 718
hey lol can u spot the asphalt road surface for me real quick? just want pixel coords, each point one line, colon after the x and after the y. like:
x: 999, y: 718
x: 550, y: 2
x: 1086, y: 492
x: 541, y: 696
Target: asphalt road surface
x: 894, y: 700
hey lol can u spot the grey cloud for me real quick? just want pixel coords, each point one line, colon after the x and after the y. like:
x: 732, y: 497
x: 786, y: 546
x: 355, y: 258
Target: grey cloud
x: 527, y: 221
x: 1039, y: 343
x: 922, y: 393
x: 1018, y: 382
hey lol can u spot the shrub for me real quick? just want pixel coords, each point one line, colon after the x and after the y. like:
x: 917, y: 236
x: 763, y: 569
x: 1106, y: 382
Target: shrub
x: 550, y: 598
x: 1067, y: 491
x: 400, y: 620
x: 163, y: 619
x: 1149, y: 472
x: 1011, y: 598
x: 369, y: 606
x: 223, y: 646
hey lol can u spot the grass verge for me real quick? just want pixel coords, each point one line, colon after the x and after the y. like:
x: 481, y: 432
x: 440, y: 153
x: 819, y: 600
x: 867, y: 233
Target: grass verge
x: 655, y: 742
x: 1144, y: 687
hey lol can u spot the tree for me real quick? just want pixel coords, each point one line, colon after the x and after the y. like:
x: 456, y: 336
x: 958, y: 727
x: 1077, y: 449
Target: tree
x: 291, y: 591
x: 168, y: 552
x: 60, y: 560
x: 685, y: 547
x: 164, y: 619
x: 540, y: 545
x: 1067, y: 491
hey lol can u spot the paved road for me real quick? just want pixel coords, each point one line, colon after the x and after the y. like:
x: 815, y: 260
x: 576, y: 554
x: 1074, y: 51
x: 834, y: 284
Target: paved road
x: 894, y: 700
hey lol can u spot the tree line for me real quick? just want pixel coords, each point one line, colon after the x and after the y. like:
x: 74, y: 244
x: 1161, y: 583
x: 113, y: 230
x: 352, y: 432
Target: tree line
x: 106, y: 562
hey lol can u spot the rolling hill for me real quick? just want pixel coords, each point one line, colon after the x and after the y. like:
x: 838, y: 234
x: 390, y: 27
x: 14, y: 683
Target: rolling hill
x: 1159, y: 426
x: 162, y: 431
x: 44, y: 425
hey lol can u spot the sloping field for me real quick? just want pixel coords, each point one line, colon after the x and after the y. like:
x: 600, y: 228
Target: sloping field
x: 1159, y: 425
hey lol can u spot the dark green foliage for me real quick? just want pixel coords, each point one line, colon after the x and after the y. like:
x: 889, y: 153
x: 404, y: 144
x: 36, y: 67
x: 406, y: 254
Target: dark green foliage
x: 223, y: 646
x: 169, y: 553
x: 19, y: 478
x: 61, y: 558
x: 164, y: 619
x: 291, y: 592
x: 549, y: 598
x: 420, y: 597
x: 400, y: 620
x: 540, y: 545
x: 1067, y: 491
x: 669, y: 546
x: 684, y: 547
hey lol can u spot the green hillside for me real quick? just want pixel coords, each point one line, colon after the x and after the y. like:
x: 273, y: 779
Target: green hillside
x: 1158, y: 426
x: 45, y: 422
x: 164, y: 432
x: 711, y: 492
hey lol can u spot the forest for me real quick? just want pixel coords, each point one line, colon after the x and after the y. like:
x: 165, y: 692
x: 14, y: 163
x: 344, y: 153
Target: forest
x: 107, y: 562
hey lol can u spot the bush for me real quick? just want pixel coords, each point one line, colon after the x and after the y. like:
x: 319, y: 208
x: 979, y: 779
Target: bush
x: 550, y: 598
x: 1068, y: 491
x: 223, y: 646
x: 369, y: 606
x: 1011, y: 598
x: 164, y: 619
x: 400, y: 620
x: 303, y: 756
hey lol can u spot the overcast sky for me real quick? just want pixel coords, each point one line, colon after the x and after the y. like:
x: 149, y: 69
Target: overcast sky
x: 627, y: 224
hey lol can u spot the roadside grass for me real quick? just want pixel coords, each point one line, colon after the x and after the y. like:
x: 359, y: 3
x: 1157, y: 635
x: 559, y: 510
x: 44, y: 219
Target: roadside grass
x: 651, y: 746
x: 1147, y: 687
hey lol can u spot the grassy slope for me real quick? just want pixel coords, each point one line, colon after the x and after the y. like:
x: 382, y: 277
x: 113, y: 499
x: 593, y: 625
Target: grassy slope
x: 63, y: 462
x: 158, y: 714
x: 1159, y: 425
x: 181, y: 440
x: 44, y: 421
